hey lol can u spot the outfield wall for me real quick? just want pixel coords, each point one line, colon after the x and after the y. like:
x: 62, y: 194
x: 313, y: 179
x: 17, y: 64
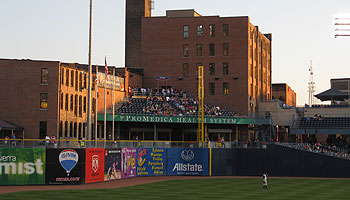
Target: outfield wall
x: 38, y: 166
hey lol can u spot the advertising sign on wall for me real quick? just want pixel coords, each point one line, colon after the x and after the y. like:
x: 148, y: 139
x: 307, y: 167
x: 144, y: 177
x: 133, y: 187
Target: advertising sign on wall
x: 128, y: 162
x: 65, y: 166
x: 22, y: 166
x: 188, y: 162
x: 94, y: 165
x: 151, y: 161
x: 112, y: 169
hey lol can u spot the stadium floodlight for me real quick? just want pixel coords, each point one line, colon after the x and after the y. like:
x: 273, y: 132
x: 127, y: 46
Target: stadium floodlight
x: 341, y: 25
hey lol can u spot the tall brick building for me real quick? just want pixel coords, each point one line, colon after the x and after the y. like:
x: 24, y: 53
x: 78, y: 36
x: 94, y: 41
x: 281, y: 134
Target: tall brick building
x: 49, y: 97
x: 284, y: 93
x: 236, y: 56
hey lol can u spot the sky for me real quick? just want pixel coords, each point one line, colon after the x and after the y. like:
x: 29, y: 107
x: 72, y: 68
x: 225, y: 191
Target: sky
x: 302, y: 30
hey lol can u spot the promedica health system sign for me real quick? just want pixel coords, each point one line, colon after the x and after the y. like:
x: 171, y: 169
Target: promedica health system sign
x: 65, y: 166
x: 188, y: 162
x: 22, y: 166
x: 151, y: 161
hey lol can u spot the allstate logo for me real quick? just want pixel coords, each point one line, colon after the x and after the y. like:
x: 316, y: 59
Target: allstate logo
x: 187, y: 155
x: 68, y: 159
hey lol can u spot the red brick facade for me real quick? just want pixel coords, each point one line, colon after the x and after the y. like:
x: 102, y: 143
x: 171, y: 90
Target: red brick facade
x: 284, y: 93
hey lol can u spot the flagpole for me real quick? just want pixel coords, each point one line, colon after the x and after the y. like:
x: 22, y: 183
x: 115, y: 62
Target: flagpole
x: 96, y: 109
x: 89, y: 89
x: 113, y: 104
x: 105, y: 106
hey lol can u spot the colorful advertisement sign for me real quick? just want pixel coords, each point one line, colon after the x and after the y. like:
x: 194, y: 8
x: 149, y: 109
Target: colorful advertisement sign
x: 112, y: 164
x: 22, y: 166
x: 151, y: 161
x: 128, y: 162
x: 94, y: 165
x: 65, y: 166
x: 188, y: 162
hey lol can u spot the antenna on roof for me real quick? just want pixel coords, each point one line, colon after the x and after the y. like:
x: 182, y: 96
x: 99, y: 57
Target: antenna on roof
x: 311, y: 87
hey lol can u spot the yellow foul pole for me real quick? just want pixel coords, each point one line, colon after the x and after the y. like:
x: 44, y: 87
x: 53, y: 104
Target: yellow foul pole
x: 200, y: 104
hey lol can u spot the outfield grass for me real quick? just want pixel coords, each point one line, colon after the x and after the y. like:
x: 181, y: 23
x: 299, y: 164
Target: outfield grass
x: 281, y: 189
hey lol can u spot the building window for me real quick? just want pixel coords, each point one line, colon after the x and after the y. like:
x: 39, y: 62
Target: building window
x: 44, y: 76
x: 60, y: 130
x: 71, y: 102
x: 84, y: 104
x: 84, y: 125
x: 62, y: 76
x: 42, y: 129
x: 212, y: 30
x: 226, y: 30
x: 76, y: 105
x: 93, y: 107
x: 66, y: 107
x: 79, y: 132
x: 186, y: 31
x: 61, y: 101
x: 225, y: 49
x: 72, y: 78
x: 71, y: 129
x: 211, y: 88
x: 199, y: 30
x: 80, y: 81
x: 197, y: 66
x: 80, y: 105
x: 76, y: 80
x: 67, y: 77
x: 185, y: 69
x: 211, y: 68
x: 199, y: 50
x: 211, y: 49
x: 225, y: 88
x: 225, y: 67
x: 43, y: 101
x: 75, y: 129
x: 186, y: 50
x: 85, y: 80
x: 65, y: 129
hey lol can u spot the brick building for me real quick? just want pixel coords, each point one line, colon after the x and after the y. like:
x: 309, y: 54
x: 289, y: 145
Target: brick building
x: 284, y: 93
x: 236, y: 56
x: 50, y: 97
x: 343, y: 85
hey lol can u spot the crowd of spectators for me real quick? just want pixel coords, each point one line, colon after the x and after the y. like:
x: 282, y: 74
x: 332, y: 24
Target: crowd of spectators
x: 168, y: 102
x: 319, y: 148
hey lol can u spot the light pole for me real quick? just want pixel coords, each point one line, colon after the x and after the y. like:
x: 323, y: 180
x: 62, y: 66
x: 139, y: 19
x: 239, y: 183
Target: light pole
x: 277, y: 133
x: 88, y: 135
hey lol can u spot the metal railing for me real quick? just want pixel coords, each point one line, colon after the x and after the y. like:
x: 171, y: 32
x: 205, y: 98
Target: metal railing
x: 63, y: 143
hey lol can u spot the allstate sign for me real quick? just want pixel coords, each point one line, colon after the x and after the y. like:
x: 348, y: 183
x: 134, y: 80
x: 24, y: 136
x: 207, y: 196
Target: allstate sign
x: 188, y: 162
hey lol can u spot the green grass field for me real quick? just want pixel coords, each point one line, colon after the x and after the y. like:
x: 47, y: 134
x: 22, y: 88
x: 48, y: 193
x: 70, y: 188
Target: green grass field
x: 281, y: 189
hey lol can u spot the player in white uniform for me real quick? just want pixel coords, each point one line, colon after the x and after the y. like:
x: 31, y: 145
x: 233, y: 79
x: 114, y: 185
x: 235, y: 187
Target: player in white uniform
x: 264, y: 181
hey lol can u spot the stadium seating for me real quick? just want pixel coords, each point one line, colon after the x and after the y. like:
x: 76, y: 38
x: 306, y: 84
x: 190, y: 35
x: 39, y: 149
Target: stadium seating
x: 325, y: 122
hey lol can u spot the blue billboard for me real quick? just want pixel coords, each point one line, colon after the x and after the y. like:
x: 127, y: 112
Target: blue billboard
x: 151, y: 161
x: 188, y: 162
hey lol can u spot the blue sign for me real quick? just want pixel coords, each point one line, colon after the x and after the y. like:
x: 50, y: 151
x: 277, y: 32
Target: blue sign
x: 188, y: 162
x: 151, y: 161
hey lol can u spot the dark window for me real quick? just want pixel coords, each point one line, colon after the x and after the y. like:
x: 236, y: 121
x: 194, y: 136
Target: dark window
x: 199, y: 50
x: 211, y: 68
x: 93, y: 82
x: 62, y: 76
x: 225, y: 88
x: 76, y: 105
x: 60, y: 132
x: 80, y: 81
x: 84, y: 104
x: 66, y: 107
x: 211, y: 88
x: 76, y: 80
x: 61, y: 101
x: 44, y: 76
x: 71, y: 129
x: 199, y: 30
x: 84, y: 125
x: 186, y: 69
x: 85, y: 80
x: 225, y: 49
x: 93, y: 107
x: 212, y: 30
x: 67, y: 77
x: 186, y: 50
x: 186, y: 31
x: 42, y: 129
x: 71, y: 102
x: 225, y: 68
x: 72, y: 78
x: 43, y: 101
x: 75, y: 129
x: 211, y: 49
x: 65, y: 129
x: 226, y: 30
x: 79, y: 132
x: 80, y: 105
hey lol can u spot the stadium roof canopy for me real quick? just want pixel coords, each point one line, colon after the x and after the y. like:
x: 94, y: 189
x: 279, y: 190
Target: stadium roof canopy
x: 5, y: 125
x: 332, y: 95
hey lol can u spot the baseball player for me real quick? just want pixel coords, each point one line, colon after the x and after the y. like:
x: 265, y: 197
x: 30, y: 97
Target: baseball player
x: 264, y: 181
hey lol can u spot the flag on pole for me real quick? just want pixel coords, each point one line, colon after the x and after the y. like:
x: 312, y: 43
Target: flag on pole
x: 106, y: 67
